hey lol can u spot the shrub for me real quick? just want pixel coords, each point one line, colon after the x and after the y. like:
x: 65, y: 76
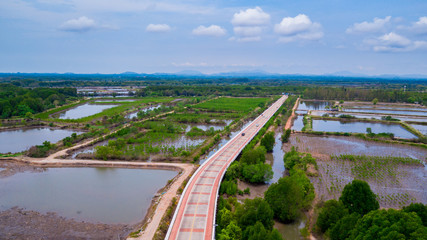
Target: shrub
x: 358, y: 197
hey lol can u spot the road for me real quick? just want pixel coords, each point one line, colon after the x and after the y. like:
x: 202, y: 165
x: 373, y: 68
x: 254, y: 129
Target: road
x: 194, y: 217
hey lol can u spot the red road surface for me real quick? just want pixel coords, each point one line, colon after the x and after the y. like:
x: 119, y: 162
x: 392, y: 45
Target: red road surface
x: 194, y: 217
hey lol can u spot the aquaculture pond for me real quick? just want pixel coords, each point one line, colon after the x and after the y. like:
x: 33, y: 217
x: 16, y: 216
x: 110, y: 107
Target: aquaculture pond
x: 298, y: 124
x: 336, y: 145
x: 360, y: 127
x: 22, y: 139
x: 313, y: 105
x: 421, y: 128
x: 106, y: 195
x: 381, y: 111
x: 84, y: 111
x: 116, y: 100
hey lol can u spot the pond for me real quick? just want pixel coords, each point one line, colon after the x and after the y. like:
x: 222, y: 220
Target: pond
x: 116, y: 100
x: 22, y: 139
x: 204, y: 127
x: 421, y: 128
x: 360, y: 127
x: 135, y: 114
x: 336, y: 145
x: 106, y: 195
x: 84, y: 111
x: 397, y: 112
x: 89, y: 149
x: 298, y: 124
x: 313, y: 105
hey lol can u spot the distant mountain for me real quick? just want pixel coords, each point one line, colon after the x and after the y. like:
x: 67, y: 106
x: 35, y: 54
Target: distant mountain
x: 189, y: 73
x: 254, y: 73
x: 346, y: 74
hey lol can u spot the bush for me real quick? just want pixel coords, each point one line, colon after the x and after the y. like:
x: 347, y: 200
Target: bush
x: 253, y: 156
x: 342, y: 228
x: 228, y: 187
x: 420, y: 209
x: 253, y: 211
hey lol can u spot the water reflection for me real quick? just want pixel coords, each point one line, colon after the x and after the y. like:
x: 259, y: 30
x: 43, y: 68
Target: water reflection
x: 22, y: 139
x: 87, y: 194
x: 84, y: 111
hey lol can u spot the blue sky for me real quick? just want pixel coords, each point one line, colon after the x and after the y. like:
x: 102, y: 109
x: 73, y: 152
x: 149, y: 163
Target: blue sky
x: 280, y: 36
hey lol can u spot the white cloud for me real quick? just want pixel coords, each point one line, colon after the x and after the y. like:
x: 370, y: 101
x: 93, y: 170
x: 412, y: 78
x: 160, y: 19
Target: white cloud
x: 212, y: 30
x: 419, y: 27
x: 298, y: 28
x: 377, y: 25
x: 81, y: 24
x: 393, y: 42
x: 249, y: 24
x: 158, y: 28
x: 251, y: 17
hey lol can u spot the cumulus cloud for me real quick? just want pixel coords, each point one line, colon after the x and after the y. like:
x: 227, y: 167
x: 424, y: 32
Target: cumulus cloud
x: 248, y: 24
x: 419, y: 27
x: 81, y: 24
x: 158, y: 28
x: 377, y: 25
x: 298, y: 28
x: 212, y: 30
x: 393, y: 42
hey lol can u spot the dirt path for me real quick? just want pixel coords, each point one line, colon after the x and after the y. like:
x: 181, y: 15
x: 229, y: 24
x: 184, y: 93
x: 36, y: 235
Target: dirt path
x: 290, y: 119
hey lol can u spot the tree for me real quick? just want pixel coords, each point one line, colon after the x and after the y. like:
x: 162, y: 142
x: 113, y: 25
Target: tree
x: 418, y: 208
x: 286, y: 135
x: 255, y: 232
x: 331, y: 212
x: 257, y: 173
x: 358, y: 197
x: 342, y: 229
x: 389, y: 224
x: 268, y: 141
x: 285, y: 198
x: 253, y: 156
x: 253, y: 211
x: 232, y: 231
x: 375, y: 101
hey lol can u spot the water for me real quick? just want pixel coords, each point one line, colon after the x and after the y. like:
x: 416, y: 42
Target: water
x: 84, y: 111
x: 313, y: 105
x: 421, y: 128
x: 22, y: 139
x: 379, y: 107
x: 368, y: 116
x: 90, y: 149
x: 135, y: 114
x: 107, y: 195
x: 204, y: 127
x: 398, y: 112
x: 290, y: 231
x: 116, y: 100
x: 301, y: 112
x: 360, y: 127
x: 278, y: 166
x: 182, y: 141
x: 298, y: 124
x: 336, y: 145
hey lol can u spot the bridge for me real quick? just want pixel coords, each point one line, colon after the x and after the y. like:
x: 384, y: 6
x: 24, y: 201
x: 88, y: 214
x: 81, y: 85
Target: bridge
x: 194, y: 216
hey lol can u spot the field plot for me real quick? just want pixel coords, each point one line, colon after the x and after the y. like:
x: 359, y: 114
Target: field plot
x: 395, y: 172
x: 174, y: 137
x: 240, y: 105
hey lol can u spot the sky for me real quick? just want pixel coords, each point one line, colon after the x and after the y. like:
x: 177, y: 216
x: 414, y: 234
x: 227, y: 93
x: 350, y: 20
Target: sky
x: 277, y: 36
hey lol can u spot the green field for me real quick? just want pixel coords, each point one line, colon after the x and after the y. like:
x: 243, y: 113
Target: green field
x: 226, y: 104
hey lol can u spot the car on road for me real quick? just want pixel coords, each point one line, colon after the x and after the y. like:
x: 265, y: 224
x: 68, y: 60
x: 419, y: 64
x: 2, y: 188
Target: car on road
x: 243, y: 134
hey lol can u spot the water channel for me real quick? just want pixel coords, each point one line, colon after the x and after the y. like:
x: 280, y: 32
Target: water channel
x: 106, y: 195
x: 22, y: 139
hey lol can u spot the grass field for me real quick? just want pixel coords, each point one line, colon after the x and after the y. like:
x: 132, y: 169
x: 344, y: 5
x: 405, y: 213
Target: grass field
x: 226, y: 104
